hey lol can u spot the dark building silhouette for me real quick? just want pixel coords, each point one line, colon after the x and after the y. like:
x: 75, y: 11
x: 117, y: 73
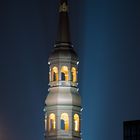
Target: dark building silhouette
x: 131, y: 130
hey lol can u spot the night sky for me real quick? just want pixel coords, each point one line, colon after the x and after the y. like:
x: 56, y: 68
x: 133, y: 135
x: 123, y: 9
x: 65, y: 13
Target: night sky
x: 106, y: 36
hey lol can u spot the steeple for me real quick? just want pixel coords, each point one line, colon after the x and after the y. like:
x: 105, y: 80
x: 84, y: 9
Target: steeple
x: 63, y: 102
x: 63, y: 35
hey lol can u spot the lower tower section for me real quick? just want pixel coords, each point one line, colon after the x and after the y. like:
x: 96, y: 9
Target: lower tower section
x: 63, y: 114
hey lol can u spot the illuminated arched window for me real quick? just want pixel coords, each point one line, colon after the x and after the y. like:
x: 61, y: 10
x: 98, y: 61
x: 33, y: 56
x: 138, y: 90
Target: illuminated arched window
x: 74, y: 75
x: 64, y: 121
x: 64, y: 73
x: 52, y: 123
x: 76, y: 122
x: 54, y: 74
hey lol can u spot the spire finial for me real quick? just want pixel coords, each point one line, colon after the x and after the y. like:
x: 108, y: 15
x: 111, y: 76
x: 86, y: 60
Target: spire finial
x: 63, y: 7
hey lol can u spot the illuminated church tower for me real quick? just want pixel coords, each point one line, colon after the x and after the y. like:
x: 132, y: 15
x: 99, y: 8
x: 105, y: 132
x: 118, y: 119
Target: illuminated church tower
x: 63, y: 103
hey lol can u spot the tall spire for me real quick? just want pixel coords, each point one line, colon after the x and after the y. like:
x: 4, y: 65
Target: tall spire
x: 63, y: 102
x: 63, y: 35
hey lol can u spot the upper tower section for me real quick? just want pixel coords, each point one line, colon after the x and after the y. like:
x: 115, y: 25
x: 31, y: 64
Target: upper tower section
x: 63, y: 47
x: 63, y: 60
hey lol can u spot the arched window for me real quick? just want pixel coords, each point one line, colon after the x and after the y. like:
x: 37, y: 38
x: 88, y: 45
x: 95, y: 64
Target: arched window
x: 52, y: 123
x: 76, y: 122
x: 64, y: 121
x: 64, y: 73
x: 73, y: 74
x: 54, y: 74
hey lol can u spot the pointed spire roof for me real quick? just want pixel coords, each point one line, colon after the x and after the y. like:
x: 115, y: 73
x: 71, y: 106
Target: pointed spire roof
x: 63, y: 49
x: 63, y: 35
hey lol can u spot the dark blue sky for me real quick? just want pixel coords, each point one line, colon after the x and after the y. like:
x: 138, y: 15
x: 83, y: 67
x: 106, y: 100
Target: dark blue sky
x: 105, y: 34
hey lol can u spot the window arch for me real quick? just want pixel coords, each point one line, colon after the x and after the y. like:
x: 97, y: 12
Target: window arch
x: 52, y: 122
x: 64, y: 121
x: 73, y: 74
x: 54, y: 74
x: 76, y: 122
x: 64, y: 73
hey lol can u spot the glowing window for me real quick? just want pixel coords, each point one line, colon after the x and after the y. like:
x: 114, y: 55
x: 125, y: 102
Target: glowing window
x: 64, y: 73
x: 64, y: 121
x: 52, y: 123
x: 76, y: 122
x: 74, y: 75
x: 54, y: 74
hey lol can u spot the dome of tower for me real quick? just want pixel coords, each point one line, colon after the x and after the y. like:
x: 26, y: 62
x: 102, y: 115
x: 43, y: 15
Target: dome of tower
x: 63, y: 96
x: 63, y: 52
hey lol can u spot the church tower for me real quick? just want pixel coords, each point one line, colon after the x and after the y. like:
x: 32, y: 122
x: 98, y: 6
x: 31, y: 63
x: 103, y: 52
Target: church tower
x: 63, y: 103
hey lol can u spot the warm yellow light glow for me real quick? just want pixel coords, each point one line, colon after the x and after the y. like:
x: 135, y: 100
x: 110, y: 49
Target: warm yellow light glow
x: 76, y: 122
x: 52, y: 123
x: 64, y: 70
x: 65, y: 117
x: 54, y: 74
x: 74, y: 75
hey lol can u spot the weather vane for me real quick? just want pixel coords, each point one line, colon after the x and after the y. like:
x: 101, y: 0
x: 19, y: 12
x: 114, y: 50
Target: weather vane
x: 63, y: 7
